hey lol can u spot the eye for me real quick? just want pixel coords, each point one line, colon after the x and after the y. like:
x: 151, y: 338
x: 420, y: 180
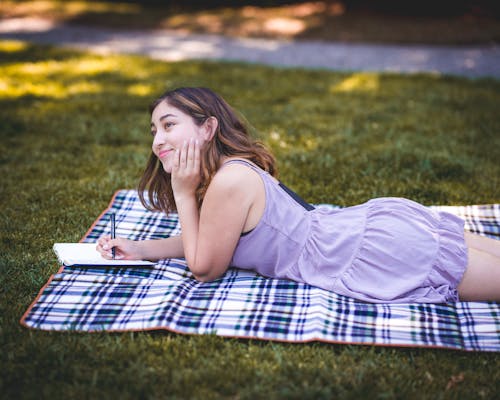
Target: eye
x: 168, y: 125
x: 153, y: 132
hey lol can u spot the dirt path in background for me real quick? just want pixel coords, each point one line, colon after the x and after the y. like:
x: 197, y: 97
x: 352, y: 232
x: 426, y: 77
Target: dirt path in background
x: 468, y: 61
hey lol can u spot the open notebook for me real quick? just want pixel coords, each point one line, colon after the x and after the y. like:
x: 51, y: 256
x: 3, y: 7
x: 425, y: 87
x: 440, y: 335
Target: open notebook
x: 85, y: 254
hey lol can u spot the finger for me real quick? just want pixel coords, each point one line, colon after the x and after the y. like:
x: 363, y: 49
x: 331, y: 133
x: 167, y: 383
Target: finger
x: 176, y: 162
x: 103, y: 252
x: 115, y: 243
x: 197, y: 155
x: 183, y: 156
x: 107, y: 255
x: 100, y: 247
x: 190, y: 153
x: 109, y: 243
x: 103, y: 239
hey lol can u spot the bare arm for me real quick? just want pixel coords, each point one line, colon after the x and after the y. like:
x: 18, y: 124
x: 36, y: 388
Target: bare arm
x: 222, y: 217
x: 153, y: 250
x: 209, y: 236
x: 161, y: 248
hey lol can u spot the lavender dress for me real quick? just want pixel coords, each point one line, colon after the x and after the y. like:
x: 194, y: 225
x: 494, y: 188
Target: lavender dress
x: 387, y: 250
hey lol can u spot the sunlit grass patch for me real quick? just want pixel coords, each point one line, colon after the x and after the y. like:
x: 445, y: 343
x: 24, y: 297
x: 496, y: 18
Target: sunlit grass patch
x: 74, y: 128
x: 12, y: 46
x: 358, y: 81
x: 63, y: 78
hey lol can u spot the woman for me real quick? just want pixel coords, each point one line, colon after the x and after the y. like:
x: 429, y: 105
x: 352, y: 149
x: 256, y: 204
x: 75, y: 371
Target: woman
x: 233, y: 212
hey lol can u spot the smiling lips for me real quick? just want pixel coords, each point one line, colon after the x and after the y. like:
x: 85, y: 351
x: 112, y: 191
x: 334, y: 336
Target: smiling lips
x: 163, y: 153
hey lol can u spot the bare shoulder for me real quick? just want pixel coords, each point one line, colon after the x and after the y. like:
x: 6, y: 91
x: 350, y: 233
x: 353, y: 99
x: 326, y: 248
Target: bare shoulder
x: 239, y: 191
x: 235, y: 176
x: 235, y: 182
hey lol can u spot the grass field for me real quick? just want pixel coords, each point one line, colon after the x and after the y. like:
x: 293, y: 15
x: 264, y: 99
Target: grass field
x: 74, y: 129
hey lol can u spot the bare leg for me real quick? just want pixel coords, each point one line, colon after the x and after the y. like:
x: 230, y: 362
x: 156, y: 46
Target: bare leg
x: 482, y: 243
x: 481, y: 281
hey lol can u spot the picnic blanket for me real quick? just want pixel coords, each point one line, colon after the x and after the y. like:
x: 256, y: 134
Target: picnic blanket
x: 245, y: 305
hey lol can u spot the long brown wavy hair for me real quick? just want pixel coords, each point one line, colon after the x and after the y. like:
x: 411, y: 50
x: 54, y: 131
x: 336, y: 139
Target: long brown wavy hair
x: 231, y: 139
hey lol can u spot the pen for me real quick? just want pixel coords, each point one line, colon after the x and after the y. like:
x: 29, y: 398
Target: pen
x: 113, y: 232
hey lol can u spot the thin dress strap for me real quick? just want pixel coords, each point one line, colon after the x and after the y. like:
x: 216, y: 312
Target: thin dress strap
x: 281, y: 185
x: 245, y: 162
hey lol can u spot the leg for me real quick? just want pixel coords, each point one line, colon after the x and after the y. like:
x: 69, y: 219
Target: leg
x: 481, y: 281
x: 482, y: 243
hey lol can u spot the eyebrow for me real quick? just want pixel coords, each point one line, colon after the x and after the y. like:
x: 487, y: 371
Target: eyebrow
x: 166, y: 116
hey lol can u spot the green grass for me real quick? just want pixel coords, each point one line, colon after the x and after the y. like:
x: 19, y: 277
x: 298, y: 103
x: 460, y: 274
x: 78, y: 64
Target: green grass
x: 74, y: 129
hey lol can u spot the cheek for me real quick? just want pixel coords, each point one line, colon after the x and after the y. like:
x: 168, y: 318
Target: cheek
x: 167, y: 166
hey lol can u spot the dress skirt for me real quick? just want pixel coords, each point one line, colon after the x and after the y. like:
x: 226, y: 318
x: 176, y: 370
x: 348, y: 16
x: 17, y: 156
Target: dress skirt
x: 387, y: 250
x: 408, y: 253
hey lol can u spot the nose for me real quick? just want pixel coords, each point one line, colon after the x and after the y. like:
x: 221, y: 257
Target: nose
x: 159, y: 138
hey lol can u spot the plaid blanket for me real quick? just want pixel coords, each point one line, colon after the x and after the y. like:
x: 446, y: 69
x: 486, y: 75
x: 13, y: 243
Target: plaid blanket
x: 246, y: 305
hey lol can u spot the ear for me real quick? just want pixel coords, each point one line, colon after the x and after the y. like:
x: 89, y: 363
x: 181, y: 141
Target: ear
x: 209, y: 128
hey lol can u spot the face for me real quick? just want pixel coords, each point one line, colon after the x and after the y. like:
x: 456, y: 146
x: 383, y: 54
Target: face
x: 170, y: 127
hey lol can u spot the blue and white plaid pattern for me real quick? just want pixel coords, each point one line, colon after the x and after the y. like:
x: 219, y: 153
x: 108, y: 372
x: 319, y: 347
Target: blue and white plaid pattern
x: 246, y: 305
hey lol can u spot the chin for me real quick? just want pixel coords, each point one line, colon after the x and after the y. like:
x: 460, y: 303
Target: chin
x: 167, y: 168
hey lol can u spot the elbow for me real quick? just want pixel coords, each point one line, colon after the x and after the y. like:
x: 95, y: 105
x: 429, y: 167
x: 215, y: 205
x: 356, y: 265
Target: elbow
x: 207, y: 273
x: 204, y: 278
